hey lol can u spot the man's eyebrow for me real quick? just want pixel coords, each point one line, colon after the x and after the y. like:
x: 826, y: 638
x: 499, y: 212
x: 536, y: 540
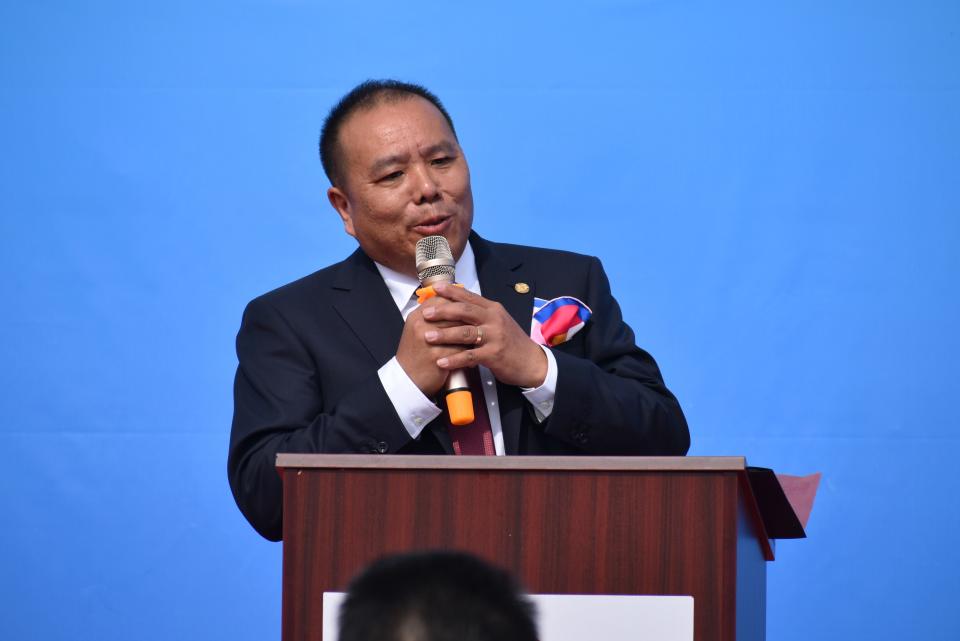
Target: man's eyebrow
x: 445, y: 146
x: 386, y: 161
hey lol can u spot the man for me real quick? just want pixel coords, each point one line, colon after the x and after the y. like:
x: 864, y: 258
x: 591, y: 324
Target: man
x: 435, y: 596
x: 345, y: 360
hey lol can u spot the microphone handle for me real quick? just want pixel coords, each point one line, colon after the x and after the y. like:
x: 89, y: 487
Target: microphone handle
x: 459, y: 399
x: 457, y: 393
x: 457, y: 389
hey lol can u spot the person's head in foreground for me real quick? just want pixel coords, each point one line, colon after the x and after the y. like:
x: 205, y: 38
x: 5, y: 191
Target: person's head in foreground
x: 435, y: 596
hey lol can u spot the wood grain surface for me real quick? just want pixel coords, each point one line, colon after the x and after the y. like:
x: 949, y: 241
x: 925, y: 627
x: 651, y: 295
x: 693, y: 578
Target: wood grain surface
x: 595, y: 528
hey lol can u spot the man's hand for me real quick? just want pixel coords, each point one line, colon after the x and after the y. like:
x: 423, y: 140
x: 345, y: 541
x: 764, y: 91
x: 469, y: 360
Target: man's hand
x: 477, y: 331
x: 417, y: 356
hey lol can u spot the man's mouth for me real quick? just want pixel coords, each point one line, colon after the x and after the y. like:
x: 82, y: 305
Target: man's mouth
x: 433, y: 226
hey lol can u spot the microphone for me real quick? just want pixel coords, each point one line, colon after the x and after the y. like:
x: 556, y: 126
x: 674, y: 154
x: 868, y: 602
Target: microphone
x: 435, y: 264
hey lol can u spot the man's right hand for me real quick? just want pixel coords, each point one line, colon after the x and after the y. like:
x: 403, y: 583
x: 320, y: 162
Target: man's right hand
x: 417, y: 357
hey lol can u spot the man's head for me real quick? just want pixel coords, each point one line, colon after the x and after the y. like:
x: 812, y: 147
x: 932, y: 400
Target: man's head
x: 397, y: 171
x: 435, y: 596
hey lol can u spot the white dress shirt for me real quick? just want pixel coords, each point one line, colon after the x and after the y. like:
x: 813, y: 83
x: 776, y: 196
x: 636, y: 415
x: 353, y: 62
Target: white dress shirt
x: 413, y: 407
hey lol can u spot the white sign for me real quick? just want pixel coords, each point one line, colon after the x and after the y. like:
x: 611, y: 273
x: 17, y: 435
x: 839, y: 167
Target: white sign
x: 575, y: 617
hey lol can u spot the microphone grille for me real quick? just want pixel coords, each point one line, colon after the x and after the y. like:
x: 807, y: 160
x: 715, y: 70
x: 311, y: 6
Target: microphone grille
x: 434, y: 258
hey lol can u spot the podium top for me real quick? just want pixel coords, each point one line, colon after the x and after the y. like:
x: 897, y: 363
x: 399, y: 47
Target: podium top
x: 765, y: 498
x: 560, y: 463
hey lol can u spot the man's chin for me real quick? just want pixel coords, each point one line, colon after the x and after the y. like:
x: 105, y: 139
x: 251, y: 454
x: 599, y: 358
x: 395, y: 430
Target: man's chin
x: 458, y: 243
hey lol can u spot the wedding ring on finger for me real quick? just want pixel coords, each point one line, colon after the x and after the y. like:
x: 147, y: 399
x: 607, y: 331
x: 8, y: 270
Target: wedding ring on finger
x: 479, y: 336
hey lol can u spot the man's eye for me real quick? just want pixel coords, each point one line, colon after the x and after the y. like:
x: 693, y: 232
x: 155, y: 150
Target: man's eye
x: 439, y: 162
x: 394, y: 175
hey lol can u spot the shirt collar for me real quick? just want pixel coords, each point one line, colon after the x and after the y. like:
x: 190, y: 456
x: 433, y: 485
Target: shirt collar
x: 402, y: 287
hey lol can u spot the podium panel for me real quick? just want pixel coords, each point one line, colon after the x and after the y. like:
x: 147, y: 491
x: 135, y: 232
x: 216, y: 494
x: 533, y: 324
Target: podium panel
x: 572, y: 525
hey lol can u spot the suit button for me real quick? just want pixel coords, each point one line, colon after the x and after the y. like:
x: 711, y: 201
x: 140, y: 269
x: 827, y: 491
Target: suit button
x: 382, y: 447
x: 580, y: 437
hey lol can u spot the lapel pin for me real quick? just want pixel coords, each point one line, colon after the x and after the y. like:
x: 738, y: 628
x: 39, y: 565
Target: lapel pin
x: 521, y: 288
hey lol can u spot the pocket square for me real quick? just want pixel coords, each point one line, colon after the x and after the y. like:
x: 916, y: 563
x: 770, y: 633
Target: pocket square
x: 556, y: 321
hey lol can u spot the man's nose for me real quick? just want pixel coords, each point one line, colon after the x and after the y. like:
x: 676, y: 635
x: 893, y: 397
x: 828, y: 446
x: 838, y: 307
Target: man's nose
x: 425, y: 184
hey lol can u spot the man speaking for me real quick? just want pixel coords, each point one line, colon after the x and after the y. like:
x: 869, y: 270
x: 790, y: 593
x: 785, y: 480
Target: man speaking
x: 351, y: 359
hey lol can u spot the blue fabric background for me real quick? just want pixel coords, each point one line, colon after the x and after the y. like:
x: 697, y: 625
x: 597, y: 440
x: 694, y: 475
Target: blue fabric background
x: 773, y: 187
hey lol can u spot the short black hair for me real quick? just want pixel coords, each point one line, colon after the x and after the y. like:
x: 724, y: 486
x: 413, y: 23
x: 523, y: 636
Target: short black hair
x: 435, y: 596
x: 366, y: 95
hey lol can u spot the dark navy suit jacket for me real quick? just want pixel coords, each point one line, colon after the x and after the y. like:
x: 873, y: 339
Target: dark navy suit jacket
x: 309, y: 354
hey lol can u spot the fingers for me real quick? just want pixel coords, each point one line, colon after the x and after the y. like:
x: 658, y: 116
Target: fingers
x: 459, y: 335
x: 480, y: 332
x: 418, y: 358
x: 464, y: 358
x: 426, y: 316
x: 458, y: 294
x: 466, y: 313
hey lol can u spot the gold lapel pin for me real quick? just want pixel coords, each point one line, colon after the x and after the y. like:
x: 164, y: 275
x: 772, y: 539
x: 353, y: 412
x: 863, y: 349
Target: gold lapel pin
x: 521, y: 288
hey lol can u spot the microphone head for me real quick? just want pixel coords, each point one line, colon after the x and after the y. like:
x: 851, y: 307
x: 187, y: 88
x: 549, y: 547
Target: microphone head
x: 435, y: 261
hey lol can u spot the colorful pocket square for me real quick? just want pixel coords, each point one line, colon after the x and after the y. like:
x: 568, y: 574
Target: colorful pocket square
x: 557, y: 320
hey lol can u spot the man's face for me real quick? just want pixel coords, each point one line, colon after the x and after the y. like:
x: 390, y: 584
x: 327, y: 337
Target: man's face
x: 404, y: 177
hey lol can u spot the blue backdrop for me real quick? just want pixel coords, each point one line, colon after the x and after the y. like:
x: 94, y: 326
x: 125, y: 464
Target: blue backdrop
x: 773, y: 188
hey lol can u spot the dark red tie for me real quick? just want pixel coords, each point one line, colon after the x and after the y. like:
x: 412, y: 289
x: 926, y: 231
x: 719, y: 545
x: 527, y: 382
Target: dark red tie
x: 475, y: 439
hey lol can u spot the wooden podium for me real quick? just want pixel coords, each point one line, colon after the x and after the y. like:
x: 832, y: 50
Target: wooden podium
x: 563, y: 525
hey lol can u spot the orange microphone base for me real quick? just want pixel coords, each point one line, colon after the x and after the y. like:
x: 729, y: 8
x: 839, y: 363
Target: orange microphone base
x: 460, y: 407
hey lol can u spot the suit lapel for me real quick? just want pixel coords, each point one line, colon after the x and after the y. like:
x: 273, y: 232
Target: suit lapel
x: 362, y: 299
x: 499, y: 276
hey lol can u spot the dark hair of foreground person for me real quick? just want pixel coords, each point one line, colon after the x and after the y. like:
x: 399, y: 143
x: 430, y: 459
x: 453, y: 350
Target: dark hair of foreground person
x: 435, y: 596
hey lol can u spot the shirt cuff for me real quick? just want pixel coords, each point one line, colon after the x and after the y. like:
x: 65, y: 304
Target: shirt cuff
x: 542, y: 398
x: 414, y: 409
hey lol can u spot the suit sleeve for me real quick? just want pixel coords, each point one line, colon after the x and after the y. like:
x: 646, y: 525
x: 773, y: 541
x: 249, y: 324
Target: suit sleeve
x: 613, y: 401
x: 279, y: 407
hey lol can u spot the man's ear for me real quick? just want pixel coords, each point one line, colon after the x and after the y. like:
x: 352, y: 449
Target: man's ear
x: 341, y: 203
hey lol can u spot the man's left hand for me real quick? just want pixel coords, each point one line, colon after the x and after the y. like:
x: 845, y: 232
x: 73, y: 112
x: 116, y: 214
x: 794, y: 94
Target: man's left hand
x: 498, y: 342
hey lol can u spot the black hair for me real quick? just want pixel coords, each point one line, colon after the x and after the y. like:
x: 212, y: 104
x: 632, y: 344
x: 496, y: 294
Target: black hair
x: 435, y: 596
x: 366, y: 95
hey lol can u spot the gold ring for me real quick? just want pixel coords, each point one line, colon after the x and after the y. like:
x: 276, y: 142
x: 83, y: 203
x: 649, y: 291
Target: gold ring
x: 479, y: 336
